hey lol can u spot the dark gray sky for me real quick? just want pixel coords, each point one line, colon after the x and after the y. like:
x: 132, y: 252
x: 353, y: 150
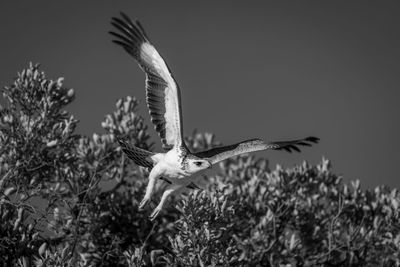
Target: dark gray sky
x: 269, y: 69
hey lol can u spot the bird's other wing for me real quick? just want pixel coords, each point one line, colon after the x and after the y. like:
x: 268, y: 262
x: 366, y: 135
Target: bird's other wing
x: 221, y: 153
x: 140, y: 156
x: 162, y: 92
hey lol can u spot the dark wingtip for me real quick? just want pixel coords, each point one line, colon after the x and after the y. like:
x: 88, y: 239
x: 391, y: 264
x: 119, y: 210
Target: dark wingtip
x: 295, y: 148
x: 128, y: 30
x: 302, y: 143
x: 312, y: 139
x: 120, y: 43
x: 114, y: 34
x: 287, y: 149
x: 126, y: 17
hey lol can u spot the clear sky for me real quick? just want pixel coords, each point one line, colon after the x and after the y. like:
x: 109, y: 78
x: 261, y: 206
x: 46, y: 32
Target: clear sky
x: 269, y: 69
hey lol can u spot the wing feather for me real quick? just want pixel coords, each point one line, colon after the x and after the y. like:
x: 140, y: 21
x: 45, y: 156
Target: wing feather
x: 221, y: 153
x: 162, y: 91
x: 140, y: 156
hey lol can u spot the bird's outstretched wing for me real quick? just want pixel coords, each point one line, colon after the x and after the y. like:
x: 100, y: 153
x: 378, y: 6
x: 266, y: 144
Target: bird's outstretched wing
x: 220, y: 153
x: 163, y: 95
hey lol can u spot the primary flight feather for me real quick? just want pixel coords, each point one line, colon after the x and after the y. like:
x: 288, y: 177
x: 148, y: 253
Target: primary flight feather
x: 177, y: 165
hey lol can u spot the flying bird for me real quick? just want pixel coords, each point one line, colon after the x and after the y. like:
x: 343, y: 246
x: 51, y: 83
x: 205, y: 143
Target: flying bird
x: 177, y: 165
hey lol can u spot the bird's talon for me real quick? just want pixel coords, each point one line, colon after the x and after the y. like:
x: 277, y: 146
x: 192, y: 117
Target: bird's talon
x: 154, y: 214
x: 143, y: 203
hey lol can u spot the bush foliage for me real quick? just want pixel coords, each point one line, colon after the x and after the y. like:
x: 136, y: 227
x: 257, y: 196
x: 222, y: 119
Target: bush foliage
x: 67, y: 199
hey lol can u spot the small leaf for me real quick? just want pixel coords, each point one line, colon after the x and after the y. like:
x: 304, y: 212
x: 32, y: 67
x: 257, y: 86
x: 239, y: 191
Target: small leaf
x: 42, y: 249
x: 9, y: 191
x: 293, y: 242
x: 51, y: 143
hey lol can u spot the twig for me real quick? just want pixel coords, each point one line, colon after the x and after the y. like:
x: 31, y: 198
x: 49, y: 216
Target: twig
x: 80, y: 215
x: 148, y: 236
x: 4, y: 178
x: 333, y: 221
x: 91, y: 185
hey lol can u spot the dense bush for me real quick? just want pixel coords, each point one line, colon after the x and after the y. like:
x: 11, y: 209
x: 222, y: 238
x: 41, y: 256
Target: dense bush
x: 71, y: 200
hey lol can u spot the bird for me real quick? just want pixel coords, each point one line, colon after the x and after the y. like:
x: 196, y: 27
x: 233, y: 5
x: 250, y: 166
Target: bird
x: 176, y: 165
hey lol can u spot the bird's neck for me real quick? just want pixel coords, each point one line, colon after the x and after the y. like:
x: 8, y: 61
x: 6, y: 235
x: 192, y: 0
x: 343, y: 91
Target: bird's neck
x: 182, y: 153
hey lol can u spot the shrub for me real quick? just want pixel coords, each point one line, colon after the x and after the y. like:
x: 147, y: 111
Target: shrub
x: 71, y: 200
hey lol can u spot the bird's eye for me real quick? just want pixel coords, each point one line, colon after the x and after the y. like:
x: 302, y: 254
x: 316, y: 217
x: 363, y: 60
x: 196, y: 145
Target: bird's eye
x: 198, y: 163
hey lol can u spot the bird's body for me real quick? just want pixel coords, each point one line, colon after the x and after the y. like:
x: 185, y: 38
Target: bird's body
x: 177, y: 165
x: 171, y: 164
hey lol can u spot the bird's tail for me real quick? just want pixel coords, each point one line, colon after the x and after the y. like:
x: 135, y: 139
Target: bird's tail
x: 140, y: 156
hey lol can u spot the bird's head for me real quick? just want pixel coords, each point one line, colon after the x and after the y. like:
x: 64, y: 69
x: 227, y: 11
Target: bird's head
x: 195, y: 164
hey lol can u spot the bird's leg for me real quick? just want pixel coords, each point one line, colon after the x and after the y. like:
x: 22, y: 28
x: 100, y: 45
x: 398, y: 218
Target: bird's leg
x: 168, y: 191
x: 153, y: 176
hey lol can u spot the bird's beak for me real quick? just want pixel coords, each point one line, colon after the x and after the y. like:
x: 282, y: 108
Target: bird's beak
x: 210, y: 166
